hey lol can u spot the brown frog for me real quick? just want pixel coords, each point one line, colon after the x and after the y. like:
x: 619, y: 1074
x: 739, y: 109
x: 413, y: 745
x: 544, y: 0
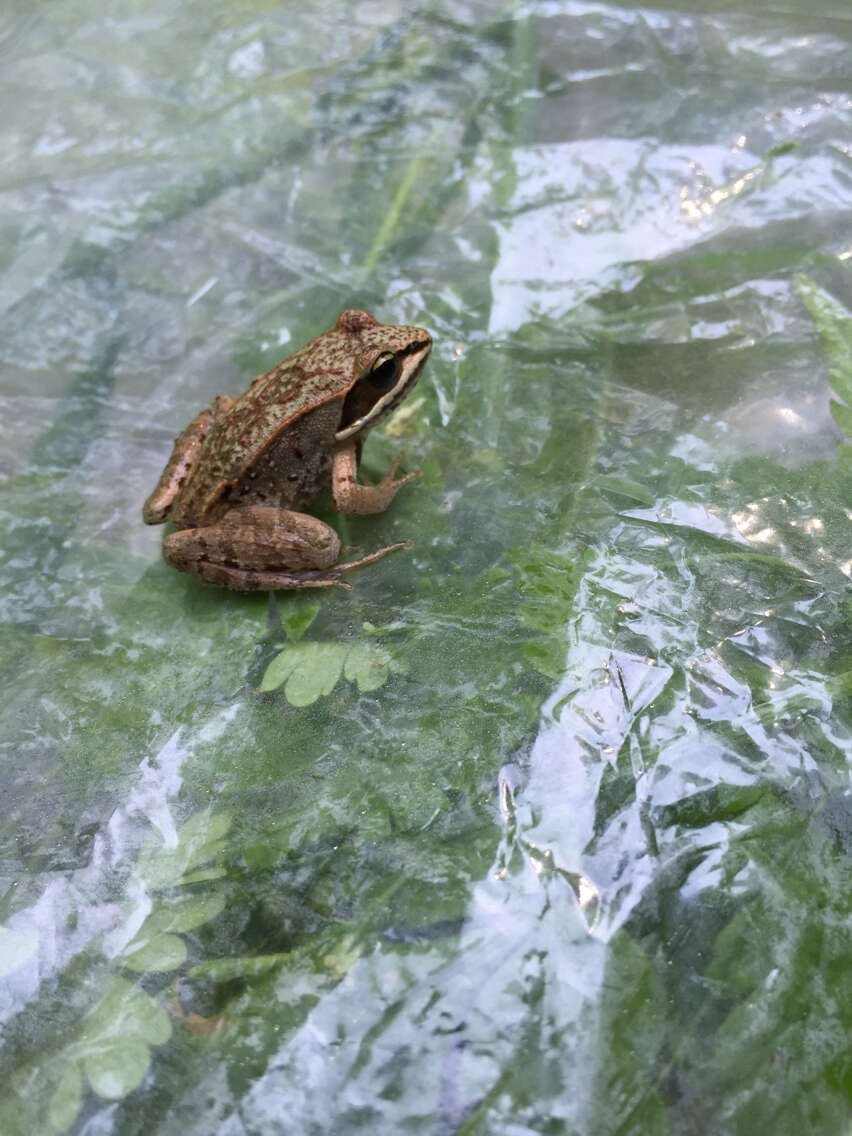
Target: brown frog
x: 244, y: 468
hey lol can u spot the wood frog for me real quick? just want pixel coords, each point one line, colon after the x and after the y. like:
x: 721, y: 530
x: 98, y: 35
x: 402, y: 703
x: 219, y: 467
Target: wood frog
x: 243, y: 469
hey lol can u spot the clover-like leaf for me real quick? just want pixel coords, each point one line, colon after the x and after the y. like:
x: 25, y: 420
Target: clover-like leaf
x: 317, y: 673
x: 279, y: 669
x: 112, y: 1048
x: 125, y: 1010
x: 156, y: 946
x: 117, y: 1069
x: 203, y: 875
x: 368, y: 665
x: 184, y: 914
x: 200, y: 839
x: 159, y: 953
x: 306, y: 670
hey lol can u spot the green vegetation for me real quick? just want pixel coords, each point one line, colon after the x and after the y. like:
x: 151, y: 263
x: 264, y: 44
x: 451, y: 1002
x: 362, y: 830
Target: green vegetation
x: 543, y: 827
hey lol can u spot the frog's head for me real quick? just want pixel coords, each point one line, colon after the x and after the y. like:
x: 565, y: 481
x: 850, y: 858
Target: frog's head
x: 388, y: 361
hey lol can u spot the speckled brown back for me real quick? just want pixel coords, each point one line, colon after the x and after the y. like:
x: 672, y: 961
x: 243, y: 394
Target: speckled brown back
x: 247, y: 446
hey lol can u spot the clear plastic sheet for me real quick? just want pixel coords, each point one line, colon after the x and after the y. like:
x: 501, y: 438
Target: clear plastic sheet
x: 544, y: 827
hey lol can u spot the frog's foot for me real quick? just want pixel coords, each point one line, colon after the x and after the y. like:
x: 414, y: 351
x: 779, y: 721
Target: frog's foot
x: 354, y: 499
x: 391, y: 483
x: 395, y: 464
x: 350, y: 565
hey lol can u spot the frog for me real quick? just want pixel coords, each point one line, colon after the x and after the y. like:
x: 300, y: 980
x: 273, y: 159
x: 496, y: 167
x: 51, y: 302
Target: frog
x: 243, y: 471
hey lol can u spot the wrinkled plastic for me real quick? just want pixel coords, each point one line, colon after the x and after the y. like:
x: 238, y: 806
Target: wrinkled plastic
x: 545, y: 825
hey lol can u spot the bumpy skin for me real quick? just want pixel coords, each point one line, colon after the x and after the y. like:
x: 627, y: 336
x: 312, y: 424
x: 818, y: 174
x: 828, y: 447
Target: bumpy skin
x: 241, y: 469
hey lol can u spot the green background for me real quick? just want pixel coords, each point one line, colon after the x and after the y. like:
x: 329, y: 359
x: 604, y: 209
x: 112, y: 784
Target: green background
x: 545, y: 826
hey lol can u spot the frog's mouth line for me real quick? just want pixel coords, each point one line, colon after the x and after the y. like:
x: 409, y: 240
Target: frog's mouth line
x: 410, y: 371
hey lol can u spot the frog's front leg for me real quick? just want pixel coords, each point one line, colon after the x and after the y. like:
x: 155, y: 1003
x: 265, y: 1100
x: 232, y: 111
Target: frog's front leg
x: 260, y: 548
x: 360, y: 500
x: 182, y: 462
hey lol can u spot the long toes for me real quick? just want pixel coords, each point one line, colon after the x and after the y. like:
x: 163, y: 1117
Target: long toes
x: 395, y: 464
x: 415, y: 473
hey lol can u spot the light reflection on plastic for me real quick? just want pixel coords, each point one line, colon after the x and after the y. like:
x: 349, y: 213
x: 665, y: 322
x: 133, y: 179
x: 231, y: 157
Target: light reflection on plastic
x: 746, y: 522
x: 202, y: 291
x: 588, y: 892
x: 696, y: 208
x: 790, y: 416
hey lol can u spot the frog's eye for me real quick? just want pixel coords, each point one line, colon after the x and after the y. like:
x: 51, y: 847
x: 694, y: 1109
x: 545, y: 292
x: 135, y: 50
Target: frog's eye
x: 382, y: 374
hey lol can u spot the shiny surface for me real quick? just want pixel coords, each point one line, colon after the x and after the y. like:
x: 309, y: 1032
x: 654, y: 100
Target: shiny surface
x: 545, y: 826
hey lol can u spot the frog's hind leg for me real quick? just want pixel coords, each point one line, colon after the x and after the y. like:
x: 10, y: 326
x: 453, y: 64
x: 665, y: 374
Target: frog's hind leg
x: 249, y: 580
x: 182, y: 462
x: 252, y: 580
x: 370, y: 558
x: 258, y: 548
